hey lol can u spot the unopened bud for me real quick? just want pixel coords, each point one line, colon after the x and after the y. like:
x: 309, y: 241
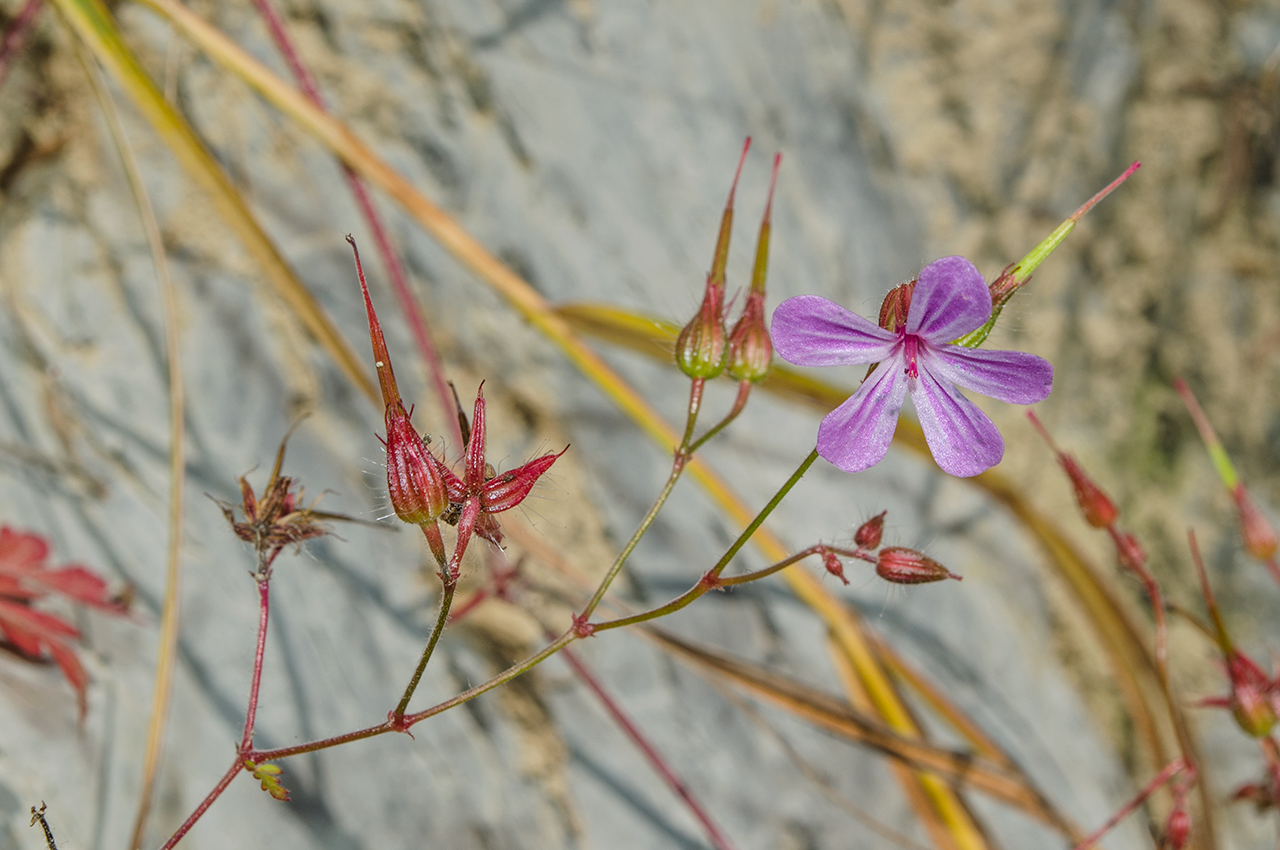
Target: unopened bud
x: 415, y: 478
x: 907, y: 566
x: 1259, y: 535
x: 1251, y: 702
x: 869, y: 533
x: 1099, y: 511
x: 702, y: 345
x: 750, y: 348
x: 834, y: 565
x: 1177, y: 830
x: 893, y: 312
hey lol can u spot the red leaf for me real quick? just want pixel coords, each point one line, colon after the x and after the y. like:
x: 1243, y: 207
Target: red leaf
x: 81, y: 585
x: 39, y: 625
x: 24, y: 642
x: 65, y: 657
x: 21, y: 553
x: 11, y: 587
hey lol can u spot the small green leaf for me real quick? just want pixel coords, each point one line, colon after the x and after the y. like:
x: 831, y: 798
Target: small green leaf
x: 266, y: 774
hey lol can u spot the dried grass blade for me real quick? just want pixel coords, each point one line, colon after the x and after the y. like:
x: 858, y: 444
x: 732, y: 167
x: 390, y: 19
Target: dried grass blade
x: 960, y: 769
x: 170, y: 610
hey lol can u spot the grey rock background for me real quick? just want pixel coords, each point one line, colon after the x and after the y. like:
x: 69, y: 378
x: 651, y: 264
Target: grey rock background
x: 590, y: 144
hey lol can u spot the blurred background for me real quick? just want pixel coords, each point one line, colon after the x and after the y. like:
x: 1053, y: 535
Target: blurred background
x: 589, y: 144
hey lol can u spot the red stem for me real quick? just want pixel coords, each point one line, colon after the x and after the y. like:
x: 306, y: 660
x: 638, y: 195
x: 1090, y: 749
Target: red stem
x: 236, y: 767
x: 264, y: 608
x: 655, y: 758
x: 16, y: 35
x: 1152, y: 587
x: 1171, y: 770
x: 395, y: 269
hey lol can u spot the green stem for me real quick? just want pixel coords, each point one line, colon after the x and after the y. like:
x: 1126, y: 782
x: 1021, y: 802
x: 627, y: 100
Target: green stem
x: 446, y: 600
x: 695, y: 404
x: 744, y: 390
x: 712, y: 578
x: 411, y: 719
x: 682, y: 455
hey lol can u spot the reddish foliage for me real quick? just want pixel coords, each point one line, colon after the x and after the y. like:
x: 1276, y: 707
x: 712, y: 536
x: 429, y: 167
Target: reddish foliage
x: 26, y: 577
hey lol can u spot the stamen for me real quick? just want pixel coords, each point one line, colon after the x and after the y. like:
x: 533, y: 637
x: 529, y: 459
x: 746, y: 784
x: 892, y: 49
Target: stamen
x: 912, y: 346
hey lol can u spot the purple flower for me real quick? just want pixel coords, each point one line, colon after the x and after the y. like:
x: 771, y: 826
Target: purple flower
x: 950, y: 300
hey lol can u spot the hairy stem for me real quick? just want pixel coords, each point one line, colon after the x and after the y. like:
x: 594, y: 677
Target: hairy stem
x: 712, y: 577
x: 236, y: 767
x: 744, y: 391
x: 250, y: 716
x: 446, y: 601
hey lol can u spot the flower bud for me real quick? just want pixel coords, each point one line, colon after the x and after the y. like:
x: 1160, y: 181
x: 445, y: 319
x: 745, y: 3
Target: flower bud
x: 868, y: 534
x: 1099, y: 511
x: 1251, y: 698
x: 1177, y: 830
x: 907, y: 566
x: 415, y: 477
x: 833, y: 564
x: 702, y: 345
x: 1259, y: 535
x: 750, y: 348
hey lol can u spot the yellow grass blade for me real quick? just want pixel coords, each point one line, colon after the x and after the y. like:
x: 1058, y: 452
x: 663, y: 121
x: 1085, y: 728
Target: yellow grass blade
x: 958, y: 769
x: 93, y: 23
x: 169, y: 614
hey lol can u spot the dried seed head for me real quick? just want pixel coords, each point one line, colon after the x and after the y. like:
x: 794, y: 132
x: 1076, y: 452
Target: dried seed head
x: 907, y: 566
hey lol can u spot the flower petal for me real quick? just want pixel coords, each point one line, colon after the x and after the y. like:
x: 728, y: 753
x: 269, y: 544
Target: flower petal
x: 963, y: 440
x: 950, y: 299
x: 856, y: 435
x: 810, y: 330
x: 1012, y: 376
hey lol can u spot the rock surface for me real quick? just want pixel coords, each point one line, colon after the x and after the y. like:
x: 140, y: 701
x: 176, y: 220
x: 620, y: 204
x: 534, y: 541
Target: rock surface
x: 590, y: 144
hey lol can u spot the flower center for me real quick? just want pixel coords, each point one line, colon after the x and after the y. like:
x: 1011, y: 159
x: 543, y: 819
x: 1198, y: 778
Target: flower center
x: 912, y: 348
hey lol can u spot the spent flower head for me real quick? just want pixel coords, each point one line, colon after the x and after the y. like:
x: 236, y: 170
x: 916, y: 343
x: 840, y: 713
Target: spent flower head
x: 414, y: 474
x: 916, y: 356
x: 481, y: 492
